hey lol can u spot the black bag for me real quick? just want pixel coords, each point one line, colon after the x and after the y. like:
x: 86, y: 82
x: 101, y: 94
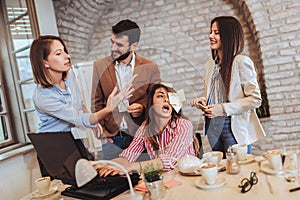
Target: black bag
x: 102, y: 187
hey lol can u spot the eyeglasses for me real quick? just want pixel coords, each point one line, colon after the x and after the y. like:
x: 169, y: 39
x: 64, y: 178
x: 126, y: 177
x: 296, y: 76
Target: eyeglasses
x: 247, y: 184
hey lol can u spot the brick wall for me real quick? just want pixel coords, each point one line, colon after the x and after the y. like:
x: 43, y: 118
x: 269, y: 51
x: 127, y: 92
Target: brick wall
x: 175, y: 35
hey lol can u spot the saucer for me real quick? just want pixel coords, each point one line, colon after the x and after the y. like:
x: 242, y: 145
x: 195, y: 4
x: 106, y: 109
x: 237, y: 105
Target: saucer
x: 221, y: 167
x: 249, y: 158
x: 52, y: 190
x: 200, y: 183
x: 265, y: 167
x: 190, y: 173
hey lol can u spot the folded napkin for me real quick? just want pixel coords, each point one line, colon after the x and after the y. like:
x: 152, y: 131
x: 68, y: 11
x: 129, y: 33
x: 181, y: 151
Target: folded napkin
x: 172, y: 183
x: 168, y: 184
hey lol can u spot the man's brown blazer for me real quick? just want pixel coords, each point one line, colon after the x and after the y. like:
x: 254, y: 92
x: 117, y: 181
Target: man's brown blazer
x: 104, y: 81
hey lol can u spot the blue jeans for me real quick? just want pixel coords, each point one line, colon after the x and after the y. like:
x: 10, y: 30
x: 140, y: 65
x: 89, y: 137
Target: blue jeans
x: 112, y: 150
x: 220, y: 135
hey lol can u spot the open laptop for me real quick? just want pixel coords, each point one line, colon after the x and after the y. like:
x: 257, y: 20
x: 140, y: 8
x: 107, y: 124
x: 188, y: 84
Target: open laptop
x: 59, y: 152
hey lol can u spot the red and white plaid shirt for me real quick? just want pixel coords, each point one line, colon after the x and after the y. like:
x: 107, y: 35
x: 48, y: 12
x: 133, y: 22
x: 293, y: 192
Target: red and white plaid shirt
x: 174, y: 143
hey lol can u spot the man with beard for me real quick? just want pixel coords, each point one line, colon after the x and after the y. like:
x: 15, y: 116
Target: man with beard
x: 116, y: 70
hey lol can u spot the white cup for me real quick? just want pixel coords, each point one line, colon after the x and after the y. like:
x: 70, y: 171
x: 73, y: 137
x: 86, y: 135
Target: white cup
x: 43, y: 185
x: 214, y: 157
x: 241, y: 151
x: 274, y: 159
x: 209, y: 172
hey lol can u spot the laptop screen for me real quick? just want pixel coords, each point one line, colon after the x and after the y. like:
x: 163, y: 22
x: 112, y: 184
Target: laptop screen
x: 59, y: 152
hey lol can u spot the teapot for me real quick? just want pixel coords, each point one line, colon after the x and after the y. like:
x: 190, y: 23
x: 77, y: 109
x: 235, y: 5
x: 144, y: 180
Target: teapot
x: 188, y: 163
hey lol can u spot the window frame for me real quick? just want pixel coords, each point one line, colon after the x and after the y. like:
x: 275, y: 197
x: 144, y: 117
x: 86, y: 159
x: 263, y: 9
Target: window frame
x: 15, y: 111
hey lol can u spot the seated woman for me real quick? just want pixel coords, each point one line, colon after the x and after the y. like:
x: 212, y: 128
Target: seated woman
x: 164, y: 134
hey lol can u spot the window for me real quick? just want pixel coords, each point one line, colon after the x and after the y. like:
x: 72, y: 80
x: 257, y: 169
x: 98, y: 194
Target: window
x: 18, y: 28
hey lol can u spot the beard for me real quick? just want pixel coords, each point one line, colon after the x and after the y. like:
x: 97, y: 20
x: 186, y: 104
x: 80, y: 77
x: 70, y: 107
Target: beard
x: 121, y: 57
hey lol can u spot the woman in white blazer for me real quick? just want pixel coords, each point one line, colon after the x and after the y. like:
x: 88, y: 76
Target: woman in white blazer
x: 231, y: 90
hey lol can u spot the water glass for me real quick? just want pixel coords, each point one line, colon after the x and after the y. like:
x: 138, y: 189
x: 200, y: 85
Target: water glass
x: 290, y: 166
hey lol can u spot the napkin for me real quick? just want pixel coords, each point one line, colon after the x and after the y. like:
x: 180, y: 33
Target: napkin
x: 176, y: 99
x: 172, y: 183
x: 141, y: 187
x: 168, y: 184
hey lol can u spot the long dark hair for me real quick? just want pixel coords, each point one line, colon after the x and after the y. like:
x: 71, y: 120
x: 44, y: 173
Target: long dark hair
x: 149, y: 124
x: 232, y: 44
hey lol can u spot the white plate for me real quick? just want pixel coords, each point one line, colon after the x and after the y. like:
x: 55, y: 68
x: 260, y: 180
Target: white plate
x: 200, y: 183
x: 265, y: 167
x: 221, y: 167
x: 249, y: 158
x: 52, y: 190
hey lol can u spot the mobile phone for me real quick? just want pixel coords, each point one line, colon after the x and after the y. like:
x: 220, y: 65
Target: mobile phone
x: 123, y: 106
x: 201, y: 106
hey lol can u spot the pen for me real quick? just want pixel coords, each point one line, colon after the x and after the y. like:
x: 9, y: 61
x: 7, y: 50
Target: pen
x: 294, y: 189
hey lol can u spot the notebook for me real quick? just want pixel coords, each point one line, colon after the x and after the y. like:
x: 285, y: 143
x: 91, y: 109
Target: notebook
x: 59, y: 152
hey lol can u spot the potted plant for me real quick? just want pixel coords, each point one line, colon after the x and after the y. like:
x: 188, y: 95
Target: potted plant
x: 154, y: 180
x: 152, y: 173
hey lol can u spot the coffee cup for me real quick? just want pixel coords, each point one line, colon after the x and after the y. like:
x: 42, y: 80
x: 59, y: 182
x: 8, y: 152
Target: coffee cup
x: 274, y: 158
x: 241, y: 151
x: 214, y: 157
x: 209, y: 172
x: 43, y: 185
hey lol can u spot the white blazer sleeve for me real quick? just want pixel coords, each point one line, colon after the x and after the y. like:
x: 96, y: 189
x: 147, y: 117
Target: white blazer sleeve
x: 244, y: 91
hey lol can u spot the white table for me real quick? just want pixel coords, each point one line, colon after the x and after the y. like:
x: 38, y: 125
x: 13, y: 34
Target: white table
x: 55, y: 196
x: 269, y: 187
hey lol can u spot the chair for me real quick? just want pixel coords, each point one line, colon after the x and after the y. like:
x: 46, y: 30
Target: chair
x: 198, y: 144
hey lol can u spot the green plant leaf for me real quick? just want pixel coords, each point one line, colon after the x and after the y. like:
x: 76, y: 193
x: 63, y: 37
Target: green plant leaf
x: 152, y: 172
